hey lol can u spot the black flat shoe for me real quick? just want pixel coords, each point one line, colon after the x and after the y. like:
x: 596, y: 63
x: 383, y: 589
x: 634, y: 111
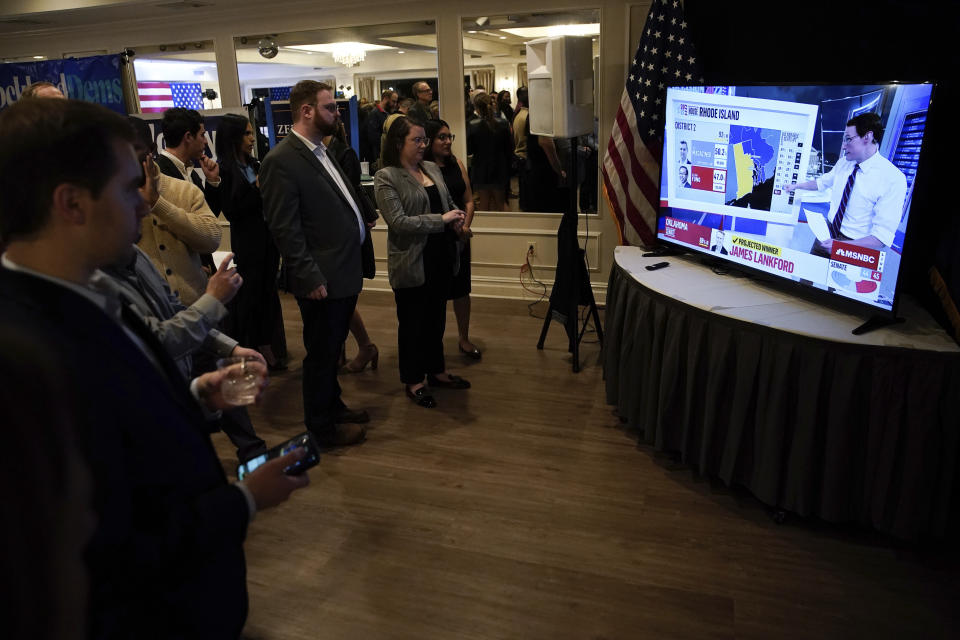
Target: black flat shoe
x: 473, y: 354
x: 421, y: 397
x: 455, y: 382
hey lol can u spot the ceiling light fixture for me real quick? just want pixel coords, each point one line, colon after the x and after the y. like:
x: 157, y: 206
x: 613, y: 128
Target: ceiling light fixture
x: 348, y: 53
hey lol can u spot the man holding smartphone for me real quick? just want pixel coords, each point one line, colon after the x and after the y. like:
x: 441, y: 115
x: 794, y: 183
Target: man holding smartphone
x: 167, y: 551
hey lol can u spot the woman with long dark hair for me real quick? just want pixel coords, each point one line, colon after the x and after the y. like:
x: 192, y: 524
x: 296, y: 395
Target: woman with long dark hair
x: 422, y: 256
x: 490, y: 143
x: 504, y: 105
x: 257, y: 317
x: 458, y: 184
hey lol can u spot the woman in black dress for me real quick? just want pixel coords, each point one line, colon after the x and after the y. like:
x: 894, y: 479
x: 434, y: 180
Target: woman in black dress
x: 458, y: 184
x: 504, y: 105
x: 257, y: 319
x: 490, y: 143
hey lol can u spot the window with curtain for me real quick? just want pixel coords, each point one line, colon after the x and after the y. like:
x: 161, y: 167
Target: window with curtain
x: 367, y: 88
x: 482, y: 78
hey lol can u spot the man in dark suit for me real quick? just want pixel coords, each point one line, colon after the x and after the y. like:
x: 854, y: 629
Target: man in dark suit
x: 166, y: 556
x: 185, y: 140
x: 423, y: 94
x: 317, y: 222
x: 373, y: 127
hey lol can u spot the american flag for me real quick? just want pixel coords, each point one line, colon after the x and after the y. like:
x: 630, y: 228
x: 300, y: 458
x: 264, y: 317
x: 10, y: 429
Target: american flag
x: 631, y: 164
x: 157, y: 97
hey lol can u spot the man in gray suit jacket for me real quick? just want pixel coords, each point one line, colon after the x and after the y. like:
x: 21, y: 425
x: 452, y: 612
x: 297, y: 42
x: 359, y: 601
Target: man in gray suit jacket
x: 317, y: 222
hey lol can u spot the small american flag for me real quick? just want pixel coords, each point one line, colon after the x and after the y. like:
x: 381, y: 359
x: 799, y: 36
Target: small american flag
x: 157, y: 97
x: 631, y: 164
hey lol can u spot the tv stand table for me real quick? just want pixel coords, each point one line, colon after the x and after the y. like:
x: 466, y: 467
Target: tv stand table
x: 772, y: 392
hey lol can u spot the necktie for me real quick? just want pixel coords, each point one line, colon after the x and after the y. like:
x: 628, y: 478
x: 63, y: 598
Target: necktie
x: 838, y: 219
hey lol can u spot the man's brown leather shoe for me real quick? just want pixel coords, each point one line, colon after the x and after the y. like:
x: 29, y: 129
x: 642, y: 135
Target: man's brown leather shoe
x: 349, y: 415
x: 346, y: 434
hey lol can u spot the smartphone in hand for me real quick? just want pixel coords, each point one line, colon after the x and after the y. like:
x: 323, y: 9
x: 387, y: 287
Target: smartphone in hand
x: 305, y: 440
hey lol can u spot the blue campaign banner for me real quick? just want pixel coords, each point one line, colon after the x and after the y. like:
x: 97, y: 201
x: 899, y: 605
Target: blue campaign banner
x: 94, y: 79
x: 279, y: 120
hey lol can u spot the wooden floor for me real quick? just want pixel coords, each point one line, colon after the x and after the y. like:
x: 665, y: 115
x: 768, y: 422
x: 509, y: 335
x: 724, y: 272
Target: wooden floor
x: 522, y: 509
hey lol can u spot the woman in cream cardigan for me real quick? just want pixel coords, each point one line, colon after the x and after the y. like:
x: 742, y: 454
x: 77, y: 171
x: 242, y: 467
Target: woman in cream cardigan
x: 422, y: 256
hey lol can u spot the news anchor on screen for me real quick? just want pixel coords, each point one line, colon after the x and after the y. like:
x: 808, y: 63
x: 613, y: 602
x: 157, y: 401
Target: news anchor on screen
x: 868, y: 191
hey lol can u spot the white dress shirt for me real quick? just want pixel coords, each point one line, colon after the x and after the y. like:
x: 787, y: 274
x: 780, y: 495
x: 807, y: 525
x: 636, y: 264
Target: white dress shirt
x: 320, y: 150
x: 876, y: 200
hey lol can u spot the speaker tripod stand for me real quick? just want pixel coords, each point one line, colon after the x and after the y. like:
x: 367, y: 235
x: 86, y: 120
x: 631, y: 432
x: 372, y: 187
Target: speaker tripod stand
x: 571, y: 288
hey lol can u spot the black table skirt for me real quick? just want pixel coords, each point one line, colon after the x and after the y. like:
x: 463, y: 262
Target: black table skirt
x: 847, y: 433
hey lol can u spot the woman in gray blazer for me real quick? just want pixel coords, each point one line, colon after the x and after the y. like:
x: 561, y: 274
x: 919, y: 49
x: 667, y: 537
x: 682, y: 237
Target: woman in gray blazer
x: 422, y: 256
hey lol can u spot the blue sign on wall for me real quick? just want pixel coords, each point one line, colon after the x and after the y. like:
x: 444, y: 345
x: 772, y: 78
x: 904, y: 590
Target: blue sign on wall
x: 94, y: 79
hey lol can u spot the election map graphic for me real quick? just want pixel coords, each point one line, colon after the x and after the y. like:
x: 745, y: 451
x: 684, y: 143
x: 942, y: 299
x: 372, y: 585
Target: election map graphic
x: 752, y: 164
x: 741, y: 154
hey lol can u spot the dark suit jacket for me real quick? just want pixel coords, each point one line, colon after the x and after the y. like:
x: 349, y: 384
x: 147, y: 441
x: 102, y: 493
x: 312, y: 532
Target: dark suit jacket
x: 312, y: 222
x: 370, y: 133
x: 166, y: 558
x: 210, y: 193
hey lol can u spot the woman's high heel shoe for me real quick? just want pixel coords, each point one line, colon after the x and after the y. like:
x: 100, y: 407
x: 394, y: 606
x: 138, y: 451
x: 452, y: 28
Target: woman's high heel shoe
x: 368, y: 353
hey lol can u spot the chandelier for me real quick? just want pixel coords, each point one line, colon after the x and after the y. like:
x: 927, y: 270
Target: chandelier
x: 348, y: 53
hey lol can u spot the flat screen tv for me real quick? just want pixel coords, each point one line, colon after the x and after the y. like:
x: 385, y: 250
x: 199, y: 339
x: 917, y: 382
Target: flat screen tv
x: 774, y: 179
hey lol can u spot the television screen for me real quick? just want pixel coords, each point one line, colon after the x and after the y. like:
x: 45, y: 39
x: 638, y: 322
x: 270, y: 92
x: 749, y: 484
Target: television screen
x: 808, y: 183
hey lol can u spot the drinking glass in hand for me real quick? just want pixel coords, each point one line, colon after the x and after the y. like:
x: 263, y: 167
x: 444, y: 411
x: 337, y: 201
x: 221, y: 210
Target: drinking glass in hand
x: 241, y: 384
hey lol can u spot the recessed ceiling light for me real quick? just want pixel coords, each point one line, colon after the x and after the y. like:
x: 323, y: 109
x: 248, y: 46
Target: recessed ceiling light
x: 38, y: 57
x: 503, y: 37
x: 401, y: 51
x: 472, y: 31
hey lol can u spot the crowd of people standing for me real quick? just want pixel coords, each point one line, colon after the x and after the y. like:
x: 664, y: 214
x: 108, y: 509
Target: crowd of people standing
x: 107, y: 278
x: 499, y: 150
